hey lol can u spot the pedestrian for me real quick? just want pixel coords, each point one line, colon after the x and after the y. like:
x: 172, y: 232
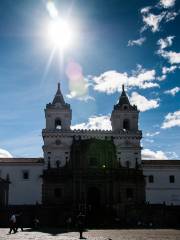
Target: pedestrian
x: 12, y: 224
x: 80, y: 223
x: 19, y: 222
x: 36, y: 222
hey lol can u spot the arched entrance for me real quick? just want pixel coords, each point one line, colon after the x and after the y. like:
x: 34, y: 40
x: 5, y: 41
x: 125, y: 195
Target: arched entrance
x: 93, y: 197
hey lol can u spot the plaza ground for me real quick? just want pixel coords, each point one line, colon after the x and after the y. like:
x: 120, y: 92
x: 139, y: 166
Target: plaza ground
x: 132, y: 234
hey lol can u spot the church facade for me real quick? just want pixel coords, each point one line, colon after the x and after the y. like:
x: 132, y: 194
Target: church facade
x: 88, y: 169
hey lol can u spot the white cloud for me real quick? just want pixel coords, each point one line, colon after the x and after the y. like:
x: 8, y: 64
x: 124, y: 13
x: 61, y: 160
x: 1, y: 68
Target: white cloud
x: 173, y: 91
x: 85, y: 98
x: 111, y: 81
x: 146, y: 9
x: 166, y: 70
x: 95, y: 122
x: 152, y: 134
x: 152, y: 21
x: 143, y: 103
x: 137, y: 42
x: 172, y: 155
x: 170, y: 16
x: 5, y: 154
x: 161, y: 78
x: 166, y: 42
x: 172, y: 57
x: 167, y: 3
x: 171, y: 120
x: 148, y: 154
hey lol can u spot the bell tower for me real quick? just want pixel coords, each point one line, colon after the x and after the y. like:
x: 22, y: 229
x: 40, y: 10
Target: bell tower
x: 58, y: 113
x: 56, y: 146
x: 124, y: 115
x: 124, y: 121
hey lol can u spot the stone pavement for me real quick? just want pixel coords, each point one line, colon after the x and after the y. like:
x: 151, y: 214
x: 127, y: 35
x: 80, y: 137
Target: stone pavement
x: 49, y: 234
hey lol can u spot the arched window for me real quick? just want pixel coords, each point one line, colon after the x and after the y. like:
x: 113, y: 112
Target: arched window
x: 126, y: 124
x: 125, y: 107
x: 57, y: 124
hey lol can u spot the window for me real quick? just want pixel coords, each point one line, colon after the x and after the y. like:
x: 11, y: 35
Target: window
x: 171, y: 179
x: 25, y: 174
x: 58, y: 192
x: 151, y: 179
x: 126, y: 124
x: 58, y: 163
x: 57, y: 124
x: 129, y: 193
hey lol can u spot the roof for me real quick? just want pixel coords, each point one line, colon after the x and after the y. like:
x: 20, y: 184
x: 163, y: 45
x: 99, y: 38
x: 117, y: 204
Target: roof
x: 58, y: 98
x: 160, y: 162
x: 58, y: 101
x: 21, y: 160
x: 123, y: 100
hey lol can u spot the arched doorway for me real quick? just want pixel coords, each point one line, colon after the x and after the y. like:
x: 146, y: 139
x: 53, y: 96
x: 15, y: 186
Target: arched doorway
x: 93, y: 197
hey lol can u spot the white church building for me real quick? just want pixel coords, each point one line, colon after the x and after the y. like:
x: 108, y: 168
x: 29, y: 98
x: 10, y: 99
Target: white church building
x: 24, y: 175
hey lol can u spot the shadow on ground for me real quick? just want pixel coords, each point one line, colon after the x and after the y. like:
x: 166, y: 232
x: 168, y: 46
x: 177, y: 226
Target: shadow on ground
x: 51, y: 231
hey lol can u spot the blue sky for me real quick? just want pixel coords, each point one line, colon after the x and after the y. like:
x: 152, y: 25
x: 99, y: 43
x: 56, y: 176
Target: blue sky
x: 135, y: 43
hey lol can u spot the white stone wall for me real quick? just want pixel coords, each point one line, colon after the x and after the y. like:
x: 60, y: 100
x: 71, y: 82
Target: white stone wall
x: 127, y: 145
x: 161, y: 190
x: 23, y: 191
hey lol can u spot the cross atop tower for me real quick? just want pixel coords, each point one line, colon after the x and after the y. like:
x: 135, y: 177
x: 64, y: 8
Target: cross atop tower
x: 123, y: 88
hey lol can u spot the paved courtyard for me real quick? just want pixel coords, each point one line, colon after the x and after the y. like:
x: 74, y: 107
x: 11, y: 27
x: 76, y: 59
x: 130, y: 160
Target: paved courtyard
x: 160, y: 234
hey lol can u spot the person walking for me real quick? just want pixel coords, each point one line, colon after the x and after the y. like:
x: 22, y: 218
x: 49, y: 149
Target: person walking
x: 12, y: 224
x: 80, y: 223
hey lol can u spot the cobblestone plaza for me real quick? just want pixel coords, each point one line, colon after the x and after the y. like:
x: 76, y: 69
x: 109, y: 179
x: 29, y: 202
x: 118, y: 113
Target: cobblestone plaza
x: 140, y: 234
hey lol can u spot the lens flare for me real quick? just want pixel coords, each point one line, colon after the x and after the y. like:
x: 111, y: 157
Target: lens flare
x: 52, y: 10
x: 77, y: 84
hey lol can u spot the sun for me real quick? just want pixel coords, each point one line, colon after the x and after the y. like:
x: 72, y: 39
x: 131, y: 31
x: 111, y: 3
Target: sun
x: 60, y: 34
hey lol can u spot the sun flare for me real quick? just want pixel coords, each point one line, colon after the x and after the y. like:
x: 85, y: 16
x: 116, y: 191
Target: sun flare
x: 60, y: 34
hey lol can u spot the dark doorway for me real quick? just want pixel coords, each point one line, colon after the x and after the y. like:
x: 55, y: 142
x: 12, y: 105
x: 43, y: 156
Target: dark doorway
x: 93, y: 197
